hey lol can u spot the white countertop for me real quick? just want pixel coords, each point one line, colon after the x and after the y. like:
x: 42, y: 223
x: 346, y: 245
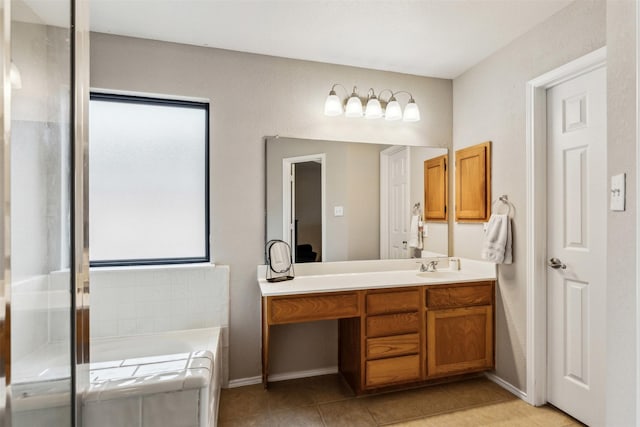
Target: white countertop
x: 340, y: 278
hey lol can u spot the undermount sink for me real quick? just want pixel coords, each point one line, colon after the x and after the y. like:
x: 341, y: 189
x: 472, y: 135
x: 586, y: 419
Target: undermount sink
x: 440, y: 274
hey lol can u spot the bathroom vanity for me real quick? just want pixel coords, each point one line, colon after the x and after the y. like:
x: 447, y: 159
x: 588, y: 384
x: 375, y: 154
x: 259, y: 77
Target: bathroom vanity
x: 397, y: 327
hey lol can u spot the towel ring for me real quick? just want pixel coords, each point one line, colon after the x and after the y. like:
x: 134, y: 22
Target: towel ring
x: 505, y: 202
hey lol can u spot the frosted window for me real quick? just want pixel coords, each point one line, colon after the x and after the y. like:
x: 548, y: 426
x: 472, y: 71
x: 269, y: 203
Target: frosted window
x: 148, y: 181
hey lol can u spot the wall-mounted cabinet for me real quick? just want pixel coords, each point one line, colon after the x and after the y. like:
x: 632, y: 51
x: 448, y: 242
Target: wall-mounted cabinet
x: 473, y: 183
x: 436, y: 188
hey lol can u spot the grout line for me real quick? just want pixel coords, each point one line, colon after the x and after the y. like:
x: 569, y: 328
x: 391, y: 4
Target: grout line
x: 324, y: 423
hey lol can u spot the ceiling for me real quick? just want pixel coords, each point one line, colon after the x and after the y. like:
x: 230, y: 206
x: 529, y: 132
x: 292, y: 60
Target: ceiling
x: 438, y: 38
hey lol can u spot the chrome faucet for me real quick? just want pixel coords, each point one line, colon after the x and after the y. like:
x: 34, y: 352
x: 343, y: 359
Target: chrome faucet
x: 430, y: 267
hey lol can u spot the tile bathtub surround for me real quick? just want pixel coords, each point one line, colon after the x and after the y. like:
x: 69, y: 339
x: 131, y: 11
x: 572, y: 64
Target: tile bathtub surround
x: 145, y: 299
x: 141, y: 300
x: 30, y: 312
x: 326, y: 401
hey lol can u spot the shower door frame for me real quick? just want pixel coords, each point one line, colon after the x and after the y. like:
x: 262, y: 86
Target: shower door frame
x: 79, y: 201
x: 80, y: 318
x: 5, y: 229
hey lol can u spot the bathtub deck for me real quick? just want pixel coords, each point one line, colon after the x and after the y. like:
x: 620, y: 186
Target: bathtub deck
x: 148, y: 375
x: 146, y: 380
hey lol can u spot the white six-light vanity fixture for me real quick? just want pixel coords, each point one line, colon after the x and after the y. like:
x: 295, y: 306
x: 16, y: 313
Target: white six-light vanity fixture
x: 335, y: 106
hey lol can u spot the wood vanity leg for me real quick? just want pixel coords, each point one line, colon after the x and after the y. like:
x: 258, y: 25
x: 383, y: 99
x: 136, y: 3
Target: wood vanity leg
x: 265, y: 344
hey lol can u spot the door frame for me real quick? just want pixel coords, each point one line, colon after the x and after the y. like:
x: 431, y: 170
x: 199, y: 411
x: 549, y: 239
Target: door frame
x: 637, y: 215
x: 536, y: 241
x: 287, y: 196
x: 384, y: 195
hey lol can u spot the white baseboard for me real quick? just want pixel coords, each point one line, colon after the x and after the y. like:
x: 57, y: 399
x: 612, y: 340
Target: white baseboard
x: 241, y: 382
x: 507, y: 386
x: 303, y: 374
x: 284, y: 376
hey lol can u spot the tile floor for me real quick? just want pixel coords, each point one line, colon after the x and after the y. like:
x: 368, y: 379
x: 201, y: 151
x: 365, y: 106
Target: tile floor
x: 327, y: 401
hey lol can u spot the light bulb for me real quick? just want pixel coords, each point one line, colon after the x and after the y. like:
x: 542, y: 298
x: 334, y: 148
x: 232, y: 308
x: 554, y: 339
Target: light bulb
x: 411, y: 112
x: 333, y: 105
x: 393, y: 111
x: 374, y: 109
x: 354, y: 106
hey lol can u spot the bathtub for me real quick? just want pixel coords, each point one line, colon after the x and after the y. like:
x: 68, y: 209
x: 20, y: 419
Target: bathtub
x: 164, y: 379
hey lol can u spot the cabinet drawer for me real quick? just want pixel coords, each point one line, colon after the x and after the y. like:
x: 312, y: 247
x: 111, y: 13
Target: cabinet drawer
x: 393, y: 346
x: 460, y: 296
x: 313, y: 307
x: 392, y: 324
x: 393, y: 302
x: 394, y: 370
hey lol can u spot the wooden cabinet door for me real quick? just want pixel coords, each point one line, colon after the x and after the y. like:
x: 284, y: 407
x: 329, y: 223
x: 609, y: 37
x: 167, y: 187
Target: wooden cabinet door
x: 473, y: 183
x: 459, y: 340
x: 436, y: 190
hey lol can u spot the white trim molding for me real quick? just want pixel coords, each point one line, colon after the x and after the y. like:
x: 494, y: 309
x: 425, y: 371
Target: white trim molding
x: 506, y: 385
x: 287, y: 197
x: 303, y: 374
x: 241, y: 382
x: 637, y: 215
x: 536, y: 144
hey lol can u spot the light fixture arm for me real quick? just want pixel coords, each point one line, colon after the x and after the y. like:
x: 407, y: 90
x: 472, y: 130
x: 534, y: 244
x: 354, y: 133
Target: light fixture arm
x: 383, y: 91
x: 393, y: 95
x: 371, y: 93
x: 333, y: 89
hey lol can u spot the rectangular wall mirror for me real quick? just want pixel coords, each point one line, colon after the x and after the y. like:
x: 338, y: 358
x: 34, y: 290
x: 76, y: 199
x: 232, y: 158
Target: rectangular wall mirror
x: 346, y: 201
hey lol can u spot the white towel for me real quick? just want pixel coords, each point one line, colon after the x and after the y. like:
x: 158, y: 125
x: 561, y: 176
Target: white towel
x: 413, y: 231
x: 496, y: 246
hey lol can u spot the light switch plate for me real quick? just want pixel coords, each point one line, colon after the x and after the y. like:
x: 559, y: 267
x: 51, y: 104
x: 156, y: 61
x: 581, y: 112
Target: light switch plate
x: 338, y: 211
x: 425, y: 230
x: 618, y: 194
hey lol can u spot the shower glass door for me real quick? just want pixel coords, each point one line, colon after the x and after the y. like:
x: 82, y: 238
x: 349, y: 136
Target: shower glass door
x: 41, y: 381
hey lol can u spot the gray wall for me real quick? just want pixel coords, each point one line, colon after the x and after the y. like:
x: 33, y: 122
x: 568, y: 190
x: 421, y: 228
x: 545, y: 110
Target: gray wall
x: 489, y: 105
x: 253, y: 96
x: 621, y: 226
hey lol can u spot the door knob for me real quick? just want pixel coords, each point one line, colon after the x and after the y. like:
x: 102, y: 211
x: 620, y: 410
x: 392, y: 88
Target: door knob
x: 556, y: 263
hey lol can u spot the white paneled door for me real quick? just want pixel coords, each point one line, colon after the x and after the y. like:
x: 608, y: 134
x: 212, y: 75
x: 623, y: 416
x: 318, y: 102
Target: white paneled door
x: 399, y: 212
x: 576, y: 246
